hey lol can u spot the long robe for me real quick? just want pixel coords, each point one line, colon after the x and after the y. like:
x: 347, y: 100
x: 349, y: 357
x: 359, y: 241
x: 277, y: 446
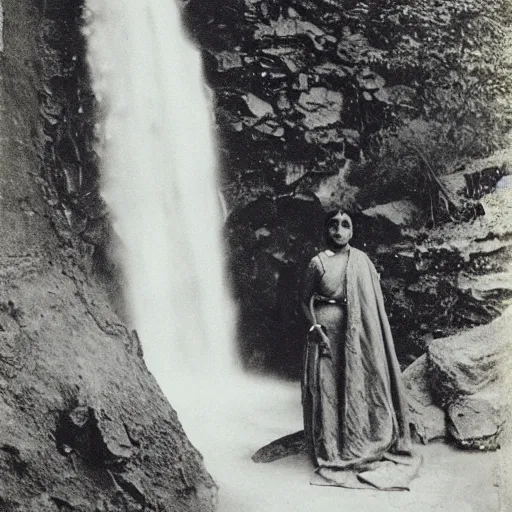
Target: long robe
x: 355, y: 409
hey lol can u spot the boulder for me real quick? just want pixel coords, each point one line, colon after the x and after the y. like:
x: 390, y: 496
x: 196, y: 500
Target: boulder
x: 457, y: 389
x: 466, y: 373
x: 427, y: 418
x: 320, y: 106
x: 291, y: 444
x: 470, y: 361
x: 477, y: 421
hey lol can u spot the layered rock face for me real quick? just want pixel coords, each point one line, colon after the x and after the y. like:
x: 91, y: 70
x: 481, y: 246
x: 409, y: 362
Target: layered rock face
x: 437, y: 281
x: 362, y: 106
x: 288, y: 97
x: 452, y: 282
x: 452, y: 276
x: 83, y: 424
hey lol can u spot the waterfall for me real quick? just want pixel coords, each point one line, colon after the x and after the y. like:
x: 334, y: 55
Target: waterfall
x: 158, y: 174
x: 159, y: 182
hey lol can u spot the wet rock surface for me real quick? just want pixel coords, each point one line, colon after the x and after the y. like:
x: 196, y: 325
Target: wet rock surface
x: 300, y: 92
x: 69, y: 170
x: 83, y: 424
x: 295, y: 91
x: 69, y: 160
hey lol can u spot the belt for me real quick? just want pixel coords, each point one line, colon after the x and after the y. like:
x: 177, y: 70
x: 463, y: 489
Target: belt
x: 326, y: 300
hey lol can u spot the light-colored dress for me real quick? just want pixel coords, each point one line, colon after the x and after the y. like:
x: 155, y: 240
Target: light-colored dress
x: 355, y: 411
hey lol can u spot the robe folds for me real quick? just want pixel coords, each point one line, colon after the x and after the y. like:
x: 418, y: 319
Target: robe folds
x: 355, y: 407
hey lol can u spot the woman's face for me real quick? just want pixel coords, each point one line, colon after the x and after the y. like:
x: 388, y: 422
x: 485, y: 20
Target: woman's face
x: 339, y: 229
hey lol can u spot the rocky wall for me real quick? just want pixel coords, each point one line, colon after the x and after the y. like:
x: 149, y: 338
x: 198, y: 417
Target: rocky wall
x: 83, y: 424
x: 437, y: 281
x: 366, y: 108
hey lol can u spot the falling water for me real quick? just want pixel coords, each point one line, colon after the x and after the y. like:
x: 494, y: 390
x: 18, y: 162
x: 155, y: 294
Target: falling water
x: 158, y: 167
x: 159, y: 182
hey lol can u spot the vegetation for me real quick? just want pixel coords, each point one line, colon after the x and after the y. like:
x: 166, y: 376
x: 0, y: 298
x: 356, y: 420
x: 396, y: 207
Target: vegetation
x: 448, y: 93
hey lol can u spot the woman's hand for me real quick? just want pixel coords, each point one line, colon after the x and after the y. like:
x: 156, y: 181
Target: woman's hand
x: 324, y: 344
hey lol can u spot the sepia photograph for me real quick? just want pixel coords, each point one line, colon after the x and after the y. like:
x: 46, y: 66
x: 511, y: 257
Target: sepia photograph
x: 256, y: 255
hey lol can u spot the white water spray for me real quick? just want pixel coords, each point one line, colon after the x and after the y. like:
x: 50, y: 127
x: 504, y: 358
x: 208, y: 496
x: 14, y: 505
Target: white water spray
x: 159, y: 182
x: 158, y: 166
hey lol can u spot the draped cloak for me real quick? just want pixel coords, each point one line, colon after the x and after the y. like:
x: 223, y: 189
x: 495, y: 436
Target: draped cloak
x: 356, y: 415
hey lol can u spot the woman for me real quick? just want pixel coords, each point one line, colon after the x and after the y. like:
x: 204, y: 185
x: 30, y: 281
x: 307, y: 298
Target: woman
x: 353, y: 399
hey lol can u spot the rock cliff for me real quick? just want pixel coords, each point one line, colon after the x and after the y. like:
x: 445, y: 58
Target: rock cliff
x: 83, y: 424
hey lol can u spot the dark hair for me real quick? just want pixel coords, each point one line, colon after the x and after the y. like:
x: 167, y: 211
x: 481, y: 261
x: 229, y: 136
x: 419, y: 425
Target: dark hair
x: 328, y: 217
